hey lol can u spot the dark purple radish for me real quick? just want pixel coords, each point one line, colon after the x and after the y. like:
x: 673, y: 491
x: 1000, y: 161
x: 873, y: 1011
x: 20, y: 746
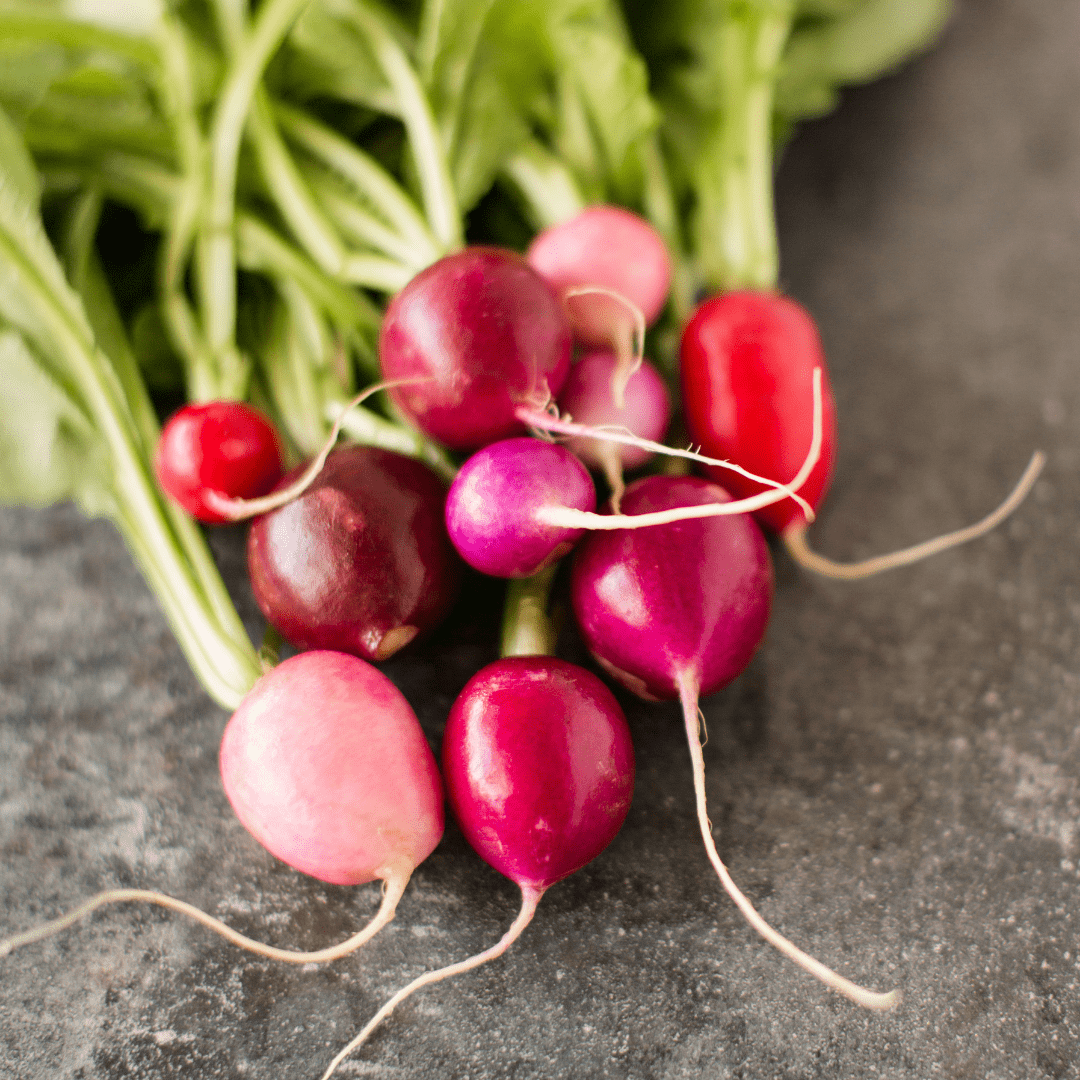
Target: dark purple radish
x: 588, y: 397
x: 539, y: 772
x: 360, y: 562
x: 676, y: 612
x: 486, y: 334
x: 492, y: 503
x: 326, y: 766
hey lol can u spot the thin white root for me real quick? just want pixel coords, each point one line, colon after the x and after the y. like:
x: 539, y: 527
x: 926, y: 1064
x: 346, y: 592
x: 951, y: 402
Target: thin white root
x: 242, y: 509
x: 612, y: 467
x: 394, y: 886
x: 529, y: 899
x: 869, y: 999
x: 627, y: 341
x: 568, y: 518
x: 796, y: 544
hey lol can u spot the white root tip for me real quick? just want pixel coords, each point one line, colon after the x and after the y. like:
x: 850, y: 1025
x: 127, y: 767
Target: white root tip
x: 796, y: 543
x: 530, y: 897
x: 869, y: 999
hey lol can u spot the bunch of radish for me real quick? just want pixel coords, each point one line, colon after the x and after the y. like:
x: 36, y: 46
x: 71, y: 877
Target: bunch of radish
x: 356, y: 554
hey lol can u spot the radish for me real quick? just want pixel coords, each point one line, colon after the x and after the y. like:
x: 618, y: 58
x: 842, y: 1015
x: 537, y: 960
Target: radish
x: 613, y: 272
x: 539, y: 772
x: 747, y: 360
x: 325, y: 764
x: 589, y: 398
x: 360, y: 562
x: 610, y: 247
x: 677, y: 612
x: 492, y: 503
x: 487, y: 334
x: 216, y: 448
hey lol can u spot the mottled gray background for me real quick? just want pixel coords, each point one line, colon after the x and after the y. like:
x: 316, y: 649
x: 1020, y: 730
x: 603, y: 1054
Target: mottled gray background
x: 894, y: 780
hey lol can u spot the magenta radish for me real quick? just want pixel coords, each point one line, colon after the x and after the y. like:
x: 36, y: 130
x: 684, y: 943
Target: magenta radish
x: 216, y: 448
x: 486, y: 335
x: 747, y: 363
x: 360, y: 562
x: 492, y: 503
x: 326, y: 766
x: 539, y: 773
x: 677, y: 611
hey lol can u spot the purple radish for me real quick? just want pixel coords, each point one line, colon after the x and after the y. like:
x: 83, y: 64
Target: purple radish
x: 492, y: 503
x: 360, y: 562
x: 326, y: 766
x: 539, y: 773
x: 676, y: 612
x: 486, y: 335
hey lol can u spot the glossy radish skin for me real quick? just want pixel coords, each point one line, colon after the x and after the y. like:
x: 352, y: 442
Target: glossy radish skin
x: 539, y: 768
x: 488, y: 335
x: 587, y: 398
x: 687, y: 598
x: 360, y: 562
x: 609, y: 247
x: 492, y: 503
x: 326, y: 766
x: 222, y: 446
x: 747, y: 361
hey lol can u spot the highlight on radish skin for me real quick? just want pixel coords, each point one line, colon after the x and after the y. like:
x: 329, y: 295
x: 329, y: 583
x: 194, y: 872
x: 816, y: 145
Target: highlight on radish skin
x: 539, y: 772
x: 677, y: 611
x: 326, y: 766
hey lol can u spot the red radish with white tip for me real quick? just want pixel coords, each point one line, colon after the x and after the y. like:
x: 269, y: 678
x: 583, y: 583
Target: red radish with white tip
x: 222, y: 449
x: 539, y: 772
x: 747, y: 361
x: 360, y: 562
x: 676, y: 612
x: 327, y: 767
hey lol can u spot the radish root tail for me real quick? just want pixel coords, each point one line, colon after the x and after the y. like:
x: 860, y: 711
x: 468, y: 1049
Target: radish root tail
x: 797, y: 546
x: 242, y: 509
x: 394, y: 886
x: 870, y: 999
x: 529, y: 899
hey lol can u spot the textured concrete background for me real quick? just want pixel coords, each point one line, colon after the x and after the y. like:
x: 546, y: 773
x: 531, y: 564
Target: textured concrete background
x: 895, y: 781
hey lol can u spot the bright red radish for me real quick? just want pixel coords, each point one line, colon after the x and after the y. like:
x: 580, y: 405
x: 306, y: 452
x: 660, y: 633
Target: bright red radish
x: 610, y: 247
x: 225, y: 447
x: 492, y: 503
x: 485, y: 335
x: 677, y: 611
x: 747, y: 362
x: 539, y: 772
x: 360, y: 562
x: 326, y: 766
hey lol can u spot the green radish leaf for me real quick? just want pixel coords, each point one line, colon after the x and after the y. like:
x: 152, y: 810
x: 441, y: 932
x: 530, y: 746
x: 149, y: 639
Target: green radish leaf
x: 47, y: 453
x: 866, y: 40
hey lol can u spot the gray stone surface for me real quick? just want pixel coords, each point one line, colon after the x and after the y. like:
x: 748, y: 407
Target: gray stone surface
x: 895, y: 780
